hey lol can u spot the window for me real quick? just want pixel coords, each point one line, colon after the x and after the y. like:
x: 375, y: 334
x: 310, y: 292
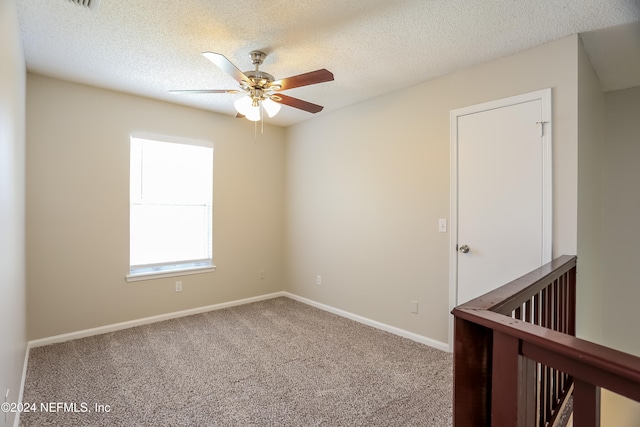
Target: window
x: 171, y: 198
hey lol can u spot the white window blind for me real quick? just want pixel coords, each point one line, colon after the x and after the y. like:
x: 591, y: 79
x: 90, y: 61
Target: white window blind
x: 171, y: 198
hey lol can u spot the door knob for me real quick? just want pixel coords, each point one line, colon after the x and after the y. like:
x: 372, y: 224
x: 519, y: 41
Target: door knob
x: 464, y: 249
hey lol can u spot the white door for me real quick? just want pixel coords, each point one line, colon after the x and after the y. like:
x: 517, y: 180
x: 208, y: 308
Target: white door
x: 501, y: 192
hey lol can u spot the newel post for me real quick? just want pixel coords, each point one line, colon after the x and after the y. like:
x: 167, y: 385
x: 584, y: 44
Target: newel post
x: 471, y: 374
x: 586, y: 404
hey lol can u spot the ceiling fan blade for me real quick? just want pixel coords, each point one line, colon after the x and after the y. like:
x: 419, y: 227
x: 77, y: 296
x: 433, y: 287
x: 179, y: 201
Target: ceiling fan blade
x: 297, y: 103
x: 227, y: 66
x: 240, y: 116
x: 206, y: 91
x: 310, y: 78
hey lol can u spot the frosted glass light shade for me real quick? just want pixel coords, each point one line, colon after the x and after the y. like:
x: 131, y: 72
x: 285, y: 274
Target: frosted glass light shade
x: 253, y: 114
x: 245, y: 107
x: 271, y: 107
x: 242, y: 105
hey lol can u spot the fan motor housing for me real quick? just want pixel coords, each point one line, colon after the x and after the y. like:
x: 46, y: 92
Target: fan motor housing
x: 259, y: 78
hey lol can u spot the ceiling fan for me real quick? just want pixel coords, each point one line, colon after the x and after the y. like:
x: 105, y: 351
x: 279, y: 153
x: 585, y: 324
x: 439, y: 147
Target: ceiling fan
x: 261, y: 88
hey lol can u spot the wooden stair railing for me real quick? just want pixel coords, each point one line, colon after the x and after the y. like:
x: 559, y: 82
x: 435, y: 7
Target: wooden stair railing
x: 516, y: 356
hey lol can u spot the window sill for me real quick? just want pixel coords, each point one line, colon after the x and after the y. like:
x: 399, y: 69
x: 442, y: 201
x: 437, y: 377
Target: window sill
x: 183, y: 272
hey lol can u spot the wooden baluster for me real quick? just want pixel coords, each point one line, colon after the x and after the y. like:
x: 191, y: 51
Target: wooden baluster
x: 549, y: 308
x: 562, y: 327
x: 538, y: 367
x: 556, y: 389
x: 543, y: 368
x: 549, y: 372
x: 571, y: 310
x: 566, y: 303
x: 571, y: 328
x: 571, y: 318
x: 555, y: 305
x: 527, y: 393
x: 562, y: 309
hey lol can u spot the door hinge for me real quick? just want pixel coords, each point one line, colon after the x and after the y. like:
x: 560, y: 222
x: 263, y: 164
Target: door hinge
x: 541, y: 124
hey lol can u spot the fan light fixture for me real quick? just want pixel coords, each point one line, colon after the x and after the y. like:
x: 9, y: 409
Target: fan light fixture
x: 250, y: 106
x: 272, y: 108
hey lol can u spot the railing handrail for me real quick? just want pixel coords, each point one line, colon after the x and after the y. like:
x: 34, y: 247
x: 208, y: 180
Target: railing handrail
x: 505, y: 323
x: 577, y: 357
x: 507, y: 297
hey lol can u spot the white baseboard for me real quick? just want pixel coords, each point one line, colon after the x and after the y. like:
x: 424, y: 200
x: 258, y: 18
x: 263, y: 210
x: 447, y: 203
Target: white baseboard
x: 373, y: 323
x: 147, y: 320
x: 23, y: 379
x: 153, y: 319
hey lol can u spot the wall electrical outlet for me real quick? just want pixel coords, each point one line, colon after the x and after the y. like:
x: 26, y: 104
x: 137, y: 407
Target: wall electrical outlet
x: 414, y: 307
x: 318, y: 280
x: 179, y: 286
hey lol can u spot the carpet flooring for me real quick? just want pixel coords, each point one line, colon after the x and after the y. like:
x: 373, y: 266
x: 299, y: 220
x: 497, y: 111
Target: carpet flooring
x: 272, y: 363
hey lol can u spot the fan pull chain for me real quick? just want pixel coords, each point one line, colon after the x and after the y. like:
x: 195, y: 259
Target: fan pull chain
x: 255, y: 125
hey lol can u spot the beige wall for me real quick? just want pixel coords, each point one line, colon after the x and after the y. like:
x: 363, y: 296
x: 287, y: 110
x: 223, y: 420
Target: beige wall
x: 367, y: 184
x: 590, y: 143
x: 621, y: 218
x: 621, y: 233
x: 77, y: 207
x: 12, y: 260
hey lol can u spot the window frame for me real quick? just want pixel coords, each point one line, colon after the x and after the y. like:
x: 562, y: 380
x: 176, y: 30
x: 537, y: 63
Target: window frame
x: 169, y: 269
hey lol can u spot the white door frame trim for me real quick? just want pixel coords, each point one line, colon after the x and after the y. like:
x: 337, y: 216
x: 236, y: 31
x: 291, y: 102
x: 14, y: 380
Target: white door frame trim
x: 547, y: 185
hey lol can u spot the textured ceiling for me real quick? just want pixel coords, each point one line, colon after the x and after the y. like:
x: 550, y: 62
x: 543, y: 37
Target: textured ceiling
x: 148, y: 47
